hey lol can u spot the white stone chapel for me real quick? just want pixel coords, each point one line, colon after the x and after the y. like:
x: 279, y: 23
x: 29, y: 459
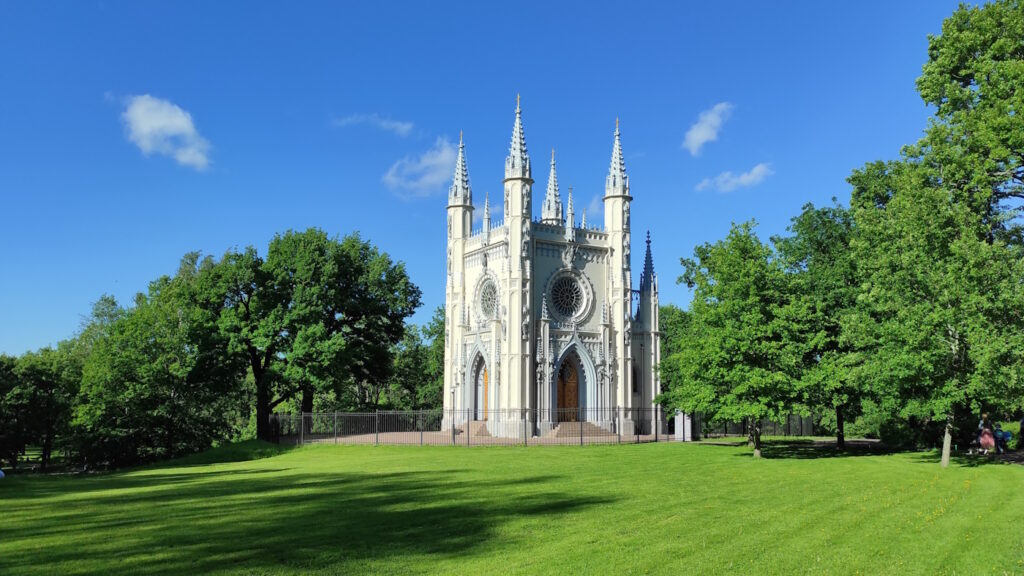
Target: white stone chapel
x: 542, y: 320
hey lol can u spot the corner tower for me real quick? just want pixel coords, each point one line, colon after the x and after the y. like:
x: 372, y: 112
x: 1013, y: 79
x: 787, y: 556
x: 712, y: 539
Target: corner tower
x: 518, y: 188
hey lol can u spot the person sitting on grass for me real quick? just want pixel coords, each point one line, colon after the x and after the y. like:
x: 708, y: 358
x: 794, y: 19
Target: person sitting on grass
x: 1001, y: 438
x: 986, y: 439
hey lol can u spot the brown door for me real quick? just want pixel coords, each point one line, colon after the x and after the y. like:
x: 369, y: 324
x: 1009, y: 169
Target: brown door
x: 568, y: 393
x: 485, y: 395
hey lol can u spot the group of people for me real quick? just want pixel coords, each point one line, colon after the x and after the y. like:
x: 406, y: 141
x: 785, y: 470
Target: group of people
x: 991, y: 437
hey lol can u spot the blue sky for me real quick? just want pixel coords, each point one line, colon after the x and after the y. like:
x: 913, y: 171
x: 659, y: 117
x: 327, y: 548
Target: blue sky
x: 133, y: 132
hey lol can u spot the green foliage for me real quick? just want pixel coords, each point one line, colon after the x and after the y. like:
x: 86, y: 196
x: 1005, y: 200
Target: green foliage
x: 742, y: 364
x: 318, y: 315
x: 824, y: 277
x: 974, y: 143
x: 417, y: 377
x: 161, y: 383
x: 14, y: 413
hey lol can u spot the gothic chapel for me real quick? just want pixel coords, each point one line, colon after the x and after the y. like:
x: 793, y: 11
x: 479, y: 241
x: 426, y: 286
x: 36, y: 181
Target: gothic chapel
x: 542, y: 321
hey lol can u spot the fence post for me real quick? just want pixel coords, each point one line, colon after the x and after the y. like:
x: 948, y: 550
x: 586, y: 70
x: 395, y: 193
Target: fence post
x: 453, y: 425
x: 618, y: 425
x: 302, y: 428
x: 525, y: 415
x: 421, y: 427
x: 376, y: 427
x: 335, y: 427
x: 657, y: 421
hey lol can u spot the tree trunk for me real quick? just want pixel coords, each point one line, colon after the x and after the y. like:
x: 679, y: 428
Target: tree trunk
x: 840, y: 429
x: 755, y: 431
x: 263, y: 429
x: 750, y: 432
x: 947, y: 440
x: 307, y: 408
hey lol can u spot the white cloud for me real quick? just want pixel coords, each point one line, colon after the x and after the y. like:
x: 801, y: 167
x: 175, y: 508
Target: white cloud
x: 160, y: 126
x: 595, y: 211
x: 727, y: 181
x: 706, y: 128
x: 424, y: 174
x: 398, y: 127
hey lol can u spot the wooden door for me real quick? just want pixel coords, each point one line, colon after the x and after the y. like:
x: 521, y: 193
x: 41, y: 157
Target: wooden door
x: 485, y: 395
x: 568, y: 393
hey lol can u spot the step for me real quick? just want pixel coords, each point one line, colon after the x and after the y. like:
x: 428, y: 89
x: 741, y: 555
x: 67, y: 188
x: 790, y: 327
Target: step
x: 573, y: 430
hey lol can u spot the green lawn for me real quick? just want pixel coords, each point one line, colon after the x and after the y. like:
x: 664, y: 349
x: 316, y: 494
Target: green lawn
x: 632, y: 509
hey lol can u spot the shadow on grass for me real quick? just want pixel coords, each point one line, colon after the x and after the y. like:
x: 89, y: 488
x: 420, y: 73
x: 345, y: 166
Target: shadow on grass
x: 964, y: 460
x: 802, y: 449
x: 260, y: 520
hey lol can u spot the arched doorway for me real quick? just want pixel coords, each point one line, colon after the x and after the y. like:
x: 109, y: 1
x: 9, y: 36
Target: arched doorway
x: 480, y: 378
x: 568, y: 392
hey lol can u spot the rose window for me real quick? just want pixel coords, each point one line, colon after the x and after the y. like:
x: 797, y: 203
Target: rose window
x: 567, y: 296
x: 489, y: 299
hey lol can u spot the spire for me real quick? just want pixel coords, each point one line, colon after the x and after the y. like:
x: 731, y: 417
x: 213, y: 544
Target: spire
x: 617, y: 183
x: 517, y: 164
x: 647, y: 279
x: 551, y: 211
x: 460, y: 192
x: 487, y: 218
x: 583, y: 220
x: 570, y: 219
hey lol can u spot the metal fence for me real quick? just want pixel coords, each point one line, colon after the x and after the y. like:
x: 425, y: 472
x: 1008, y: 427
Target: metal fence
x: 794, y: 425
x: 476, y: 427
x: 512, y: 427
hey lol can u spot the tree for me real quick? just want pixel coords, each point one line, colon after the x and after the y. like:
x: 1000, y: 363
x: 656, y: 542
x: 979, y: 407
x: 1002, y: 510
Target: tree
x: 741, y: 364
x: 938, y: 234
x: 48, y: 389
x: 317, y: 314
x: 14, y: 408
x: 676, y: 337
x: 940, y: 325
x: 430, y: 394
x: 160, y: 383
x: 825, y: 283
x: 973, y: 78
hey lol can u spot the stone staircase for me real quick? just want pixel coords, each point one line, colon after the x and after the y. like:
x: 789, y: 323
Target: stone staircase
x: 477, y: 429
x: 572, y: 430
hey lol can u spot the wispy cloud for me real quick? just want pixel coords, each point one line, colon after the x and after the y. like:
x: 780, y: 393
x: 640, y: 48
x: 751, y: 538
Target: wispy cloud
x: 595, y: 210
x: 706, y: 128
x: 424, y: 174
x: 727, y: 181
x: 377, y: 121
x: 160, y: 126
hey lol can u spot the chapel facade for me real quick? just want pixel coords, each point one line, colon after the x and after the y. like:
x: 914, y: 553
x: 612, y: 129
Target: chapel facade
x: 541, y: 318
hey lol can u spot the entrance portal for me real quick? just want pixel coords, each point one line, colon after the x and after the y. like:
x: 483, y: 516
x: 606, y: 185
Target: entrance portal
x: 568, y: 393
x: 481, y: 391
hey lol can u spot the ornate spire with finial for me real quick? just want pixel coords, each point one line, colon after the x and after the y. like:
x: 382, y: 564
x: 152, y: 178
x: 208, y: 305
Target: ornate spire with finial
x: 647, y: 278
x: 551, y: 211
x: 517, y: 164
x: 583, y: 220
x: 617, y: 183
x: 460, y: 192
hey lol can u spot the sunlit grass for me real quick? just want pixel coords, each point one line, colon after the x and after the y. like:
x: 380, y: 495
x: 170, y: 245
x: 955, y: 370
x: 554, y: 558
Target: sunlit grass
x: 632, y: 509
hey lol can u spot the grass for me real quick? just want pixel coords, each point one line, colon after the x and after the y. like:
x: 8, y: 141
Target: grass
x: 635, y: 509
